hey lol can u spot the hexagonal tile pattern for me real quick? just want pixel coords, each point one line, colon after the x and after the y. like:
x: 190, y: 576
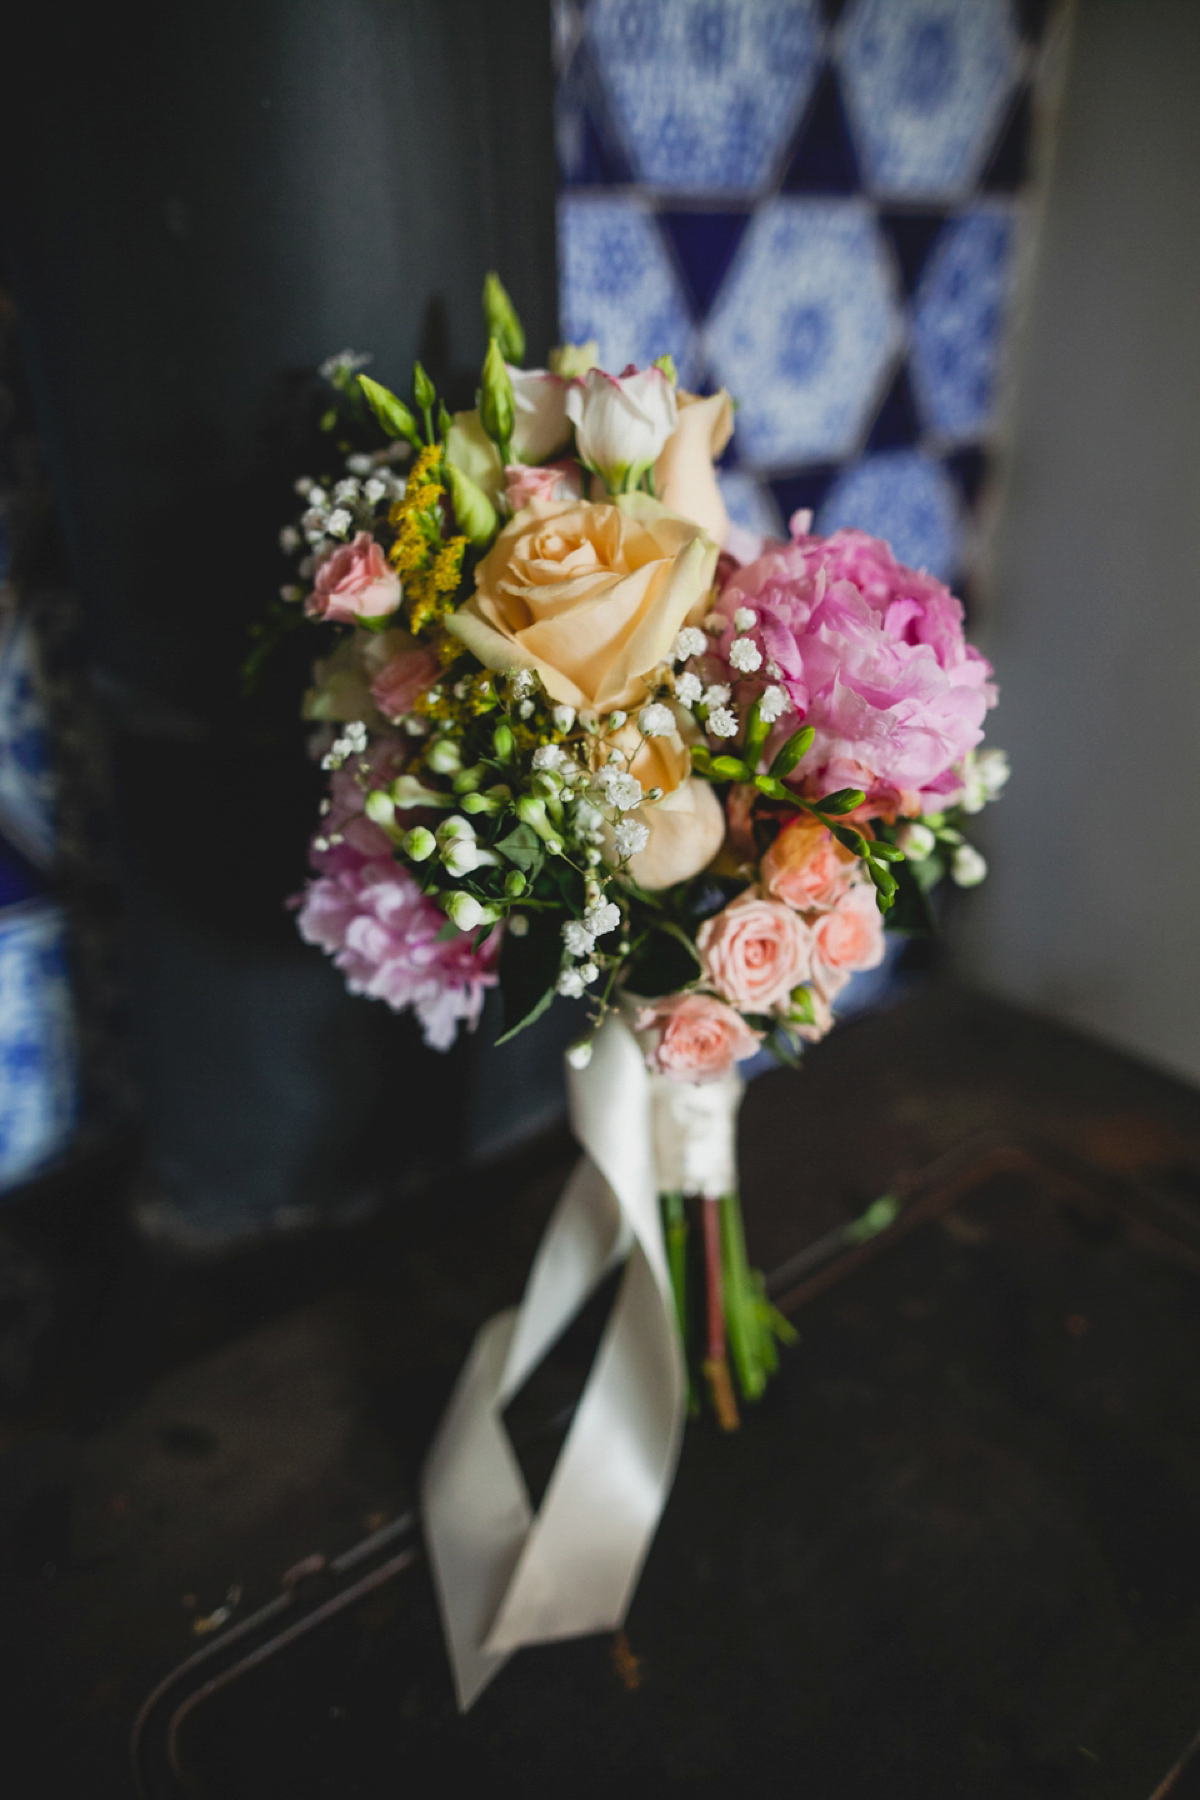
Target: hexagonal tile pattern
x: 804, y: 330
x: 959, y: 319
x: 926, y: 83
x: 705, y: 93
x: 617, y: 285
x: 905, y: 497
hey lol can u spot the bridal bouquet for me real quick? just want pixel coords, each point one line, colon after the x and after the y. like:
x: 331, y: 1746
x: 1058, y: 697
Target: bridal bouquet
x: 586, y: 739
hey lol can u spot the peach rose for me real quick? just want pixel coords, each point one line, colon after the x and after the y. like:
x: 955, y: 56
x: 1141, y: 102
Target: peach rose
x: 591, y: 597
x: 552, y: 481
x: 693, y: 1037
x: 755, y: 952
x: 684, y: 478
x: 847, y: 939
x: 806, y: 866
x: 355, y: 583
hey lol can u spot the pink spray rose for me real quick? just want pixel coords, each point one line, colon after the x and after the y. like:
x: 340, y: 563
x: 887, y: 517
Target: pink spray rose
x: 806, y: 867
x: 383, y: 934
x: 873, y: 656
x: 552, y: 481
x: 355, y: 583
x: 693, y: 1037
x: 847, y: 940
x: 755, y: 952
x: 403, y: 679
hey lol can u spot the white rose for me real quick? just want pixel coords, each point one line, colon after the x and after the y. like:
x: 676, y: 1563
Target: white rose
x: 622, y: 422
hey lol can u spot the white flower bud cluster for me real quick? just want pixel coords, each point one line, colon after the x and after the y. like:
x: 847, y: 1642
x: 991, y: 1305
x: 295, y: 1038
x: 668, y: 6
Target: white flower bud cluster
x: 985, y: 773
x: 690, y: 642
x: 689, y: 689
x: 656, y: 720
x: 745, y: 656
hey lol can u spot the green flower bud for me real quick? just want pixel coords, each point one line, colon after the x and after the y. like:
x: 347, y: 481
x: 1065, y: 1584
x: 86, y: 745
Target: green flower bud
x: 444, y: 757
x: 463, y: 910
x: 503, y: 742
x: 477, y: 518
x: 501, y: 318
x: 423, y: 389
x: 419, y: 844
x: 467, y: 780
x: 515, y: 883
x: 497, y: 410
x: 392, y: 413
x: 454, y: 827
x: 380, y: 808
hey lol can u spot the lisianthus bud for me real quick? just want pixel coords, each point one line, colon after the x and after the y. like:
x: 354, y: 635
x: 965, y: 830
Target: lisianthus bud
x: 622, y: 422
x: 444, y: 756
x: 454, y: 827
x: 464, y: 911
x: 419, y: 844
x: 477, y: 518
x: 497, y: 410
x: 501, y: 318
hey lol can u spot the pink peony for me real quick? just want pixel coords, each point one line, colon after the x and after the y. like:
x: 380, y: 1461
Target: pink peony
x: 552, y: 481
x: 755, y: 952
x: 355, y: 583
x: 847, y: 940
x: 873, y: 656
x: 402, y: 680
x: 383, y: 934
x: 693, y: 1037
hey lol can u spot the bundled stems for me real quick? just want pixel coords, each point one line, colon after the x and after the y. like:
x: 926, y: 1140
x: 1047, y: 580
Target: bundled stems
x: 716, y: 1366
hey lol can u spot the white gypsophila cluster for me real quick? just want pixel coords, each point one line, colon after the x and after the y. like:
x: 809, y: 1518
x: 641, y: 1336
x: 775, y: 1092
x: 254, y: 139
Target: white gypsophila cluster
x: 717, y: 694
x: 722, y: 723
x: 345, y: 491
x: 563, y: 717
x: 548, y: 756
x: 577, y: 938
x: 984, y: 774
x: 689, y: 689
x: 522, y: 683
x: 744, y: 619
x: 745, y: 655
x: 589, y: 821
x: 967, y: 867
x: 631, y: 836
x: 690, y: 642
x: 339, y: 522
x: 656, y: 720
x: 375, y: 489
x: 616, y: 719
x: 570, y: 984
x: 290, y: 592
x: 620, y: 790
x: 772, y: 704
x: 289, y: 540
x: 359, y: 463
x: 344, y: 362
x: 601, y: 917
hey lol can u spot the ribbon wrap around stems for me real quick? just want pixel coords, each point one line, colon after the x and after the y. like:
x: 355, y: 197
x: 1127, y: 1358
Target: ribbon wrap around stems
x: 505, y: 1575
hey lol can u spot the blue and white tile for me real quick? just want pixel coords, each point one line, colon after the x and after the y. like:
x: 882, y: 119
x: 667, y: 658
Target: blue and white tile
x: 705, y: 93
x: 926, y: 85
x: 27, y: 788
x: 959, y: 319
x: 906, y: 497
x: 38, y: 1099
x: 749, y: 503
x: 618, y: 285
x: 804, y: 330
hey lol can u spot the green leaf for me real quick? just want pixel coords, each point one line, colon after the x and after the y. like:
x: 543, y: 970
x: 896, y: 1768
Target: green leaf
x: 782, y: 1047
x: 797, y: 746
x: 843, y: 801
x: 528, y: 970
x: 391, y: 412
x: 523, y: 847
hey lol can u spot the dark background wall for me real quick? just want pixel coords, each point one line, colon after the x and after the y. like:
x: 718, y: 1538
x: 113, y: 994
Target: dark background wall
x: 198, y: 204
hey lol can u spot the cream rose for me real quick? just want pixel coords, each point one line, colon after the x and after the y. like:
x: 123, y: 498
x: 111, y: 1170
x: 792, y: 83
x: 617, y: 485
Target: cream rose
x: 684, y: 478
x: 591, y: 597
x: 755, y: 952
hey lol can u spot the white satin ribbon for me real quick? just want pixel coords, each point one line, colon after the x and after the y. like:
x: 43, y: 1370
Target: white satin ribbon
x: 506, y: 1576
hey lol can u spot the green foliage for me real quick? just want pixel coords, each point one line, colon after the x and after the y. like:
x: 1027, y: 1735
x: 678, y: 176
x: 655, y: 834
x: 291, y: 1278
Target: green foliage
x: 528, y: 971
x: 662, y: 961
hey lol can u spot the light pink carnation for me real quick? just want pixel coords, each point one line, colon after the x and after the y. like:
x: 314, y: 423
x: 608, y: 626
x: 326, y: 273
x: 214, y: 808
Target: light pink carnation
x: 693, y: 1037
x: 355, y: 583
x: 552, y: 481
x: 755, y: 952
x: 872, y: 655
x: 402, y: 680
x: 383, y: 934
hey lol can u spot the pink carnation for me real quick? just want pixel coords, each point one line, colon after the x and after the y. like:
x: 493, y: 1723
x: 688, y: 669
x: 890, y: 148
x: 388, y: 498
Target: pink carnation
x: 355, y: 583
x: 693, y: 1037
x: 383, y: 934
x: 402, y: 680
x: 873, y: 656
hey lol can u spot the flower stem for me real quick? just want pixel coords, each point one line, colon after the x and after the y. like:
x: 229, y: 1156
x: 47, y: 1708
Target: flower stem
x: 716, y: 1365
